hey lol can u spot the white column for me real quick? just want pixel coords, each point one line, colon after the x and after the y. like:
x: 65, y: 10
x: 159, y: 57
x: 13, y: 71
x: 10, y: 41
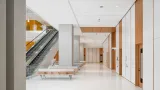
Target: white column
x: 156, y: 45
x: 148, y: 45
x: 76, y: 49
x: 3, y: 45
x: 15, y: 48
x: 66, y: 45
x: 81, y: 52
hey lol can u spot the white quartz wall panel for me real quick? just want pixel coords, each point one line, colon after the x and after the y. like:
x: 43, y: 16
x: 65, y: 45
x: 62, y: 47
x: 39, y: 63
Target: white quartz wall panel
x: 132, y: 52
x: 156, y: 44
x: 117, y: 49
x: 123, y: 47
x: 128, y: 29
x: 156, y: 19
x: 148, y: 45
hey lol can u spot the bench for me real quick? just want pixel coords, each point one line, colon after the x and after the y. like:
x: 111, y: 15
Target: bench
x: 44, y: 72
x: 76, y: 68
x: 80, y: 64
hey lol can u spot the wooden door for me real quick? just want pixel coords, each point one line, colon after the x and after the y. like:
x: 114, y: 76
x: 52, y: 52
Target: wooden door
x: 120, y: 61
x: 139, y: 63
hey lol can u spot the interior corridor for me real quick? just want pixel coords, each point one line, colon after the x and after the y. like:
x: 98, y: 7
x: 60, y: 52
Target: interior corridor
x: 90, y: 77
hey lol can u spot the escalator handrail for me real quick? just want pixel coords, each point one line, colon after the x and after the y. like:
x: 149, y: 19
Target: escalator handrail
x: 36, y: 37
x: 28, y: 62
x: 38, y: 41
x: 37, y: 65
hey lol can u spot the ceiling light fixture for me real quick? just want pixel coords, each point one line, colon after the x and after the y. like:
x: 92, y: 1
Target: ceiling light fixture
x: 99, y: 20
x: 101, y: 6
x: 117, y: 6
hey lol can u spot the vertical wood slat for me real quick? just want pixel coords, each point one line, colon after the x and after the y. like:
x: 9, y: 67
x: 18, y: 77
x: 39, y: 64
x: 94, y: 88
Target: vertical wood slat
x: 139, y: 21
x: 120, y: 35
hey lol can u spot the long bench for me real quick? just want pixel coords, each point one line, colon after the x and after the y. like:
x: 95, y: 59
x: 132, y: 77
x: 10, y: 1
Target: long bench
x: 44, y: 72
x: 76, y: 68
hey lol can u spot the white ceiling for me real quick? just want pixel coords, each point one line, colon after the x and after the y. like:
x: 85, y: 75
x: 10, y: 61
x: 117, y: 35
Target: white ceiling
x: 88, y: 11
x: 82, y: 13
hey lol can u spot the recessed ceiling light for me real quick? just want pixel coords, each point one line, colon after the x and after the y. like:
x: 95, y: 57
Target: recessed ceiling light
x: 99, y: 20
x: 117, y: 6
x: 101, y: 6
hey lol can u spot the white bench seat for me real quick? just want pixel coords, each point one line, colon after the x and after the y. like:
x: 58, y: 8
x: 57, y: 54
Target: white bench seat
x: 76, y: 69
x: 44, y: 72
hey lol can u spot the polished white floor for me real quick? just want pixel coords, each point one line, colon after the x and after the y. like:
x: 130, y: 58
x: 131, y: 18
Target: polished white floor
x: 91, y: 77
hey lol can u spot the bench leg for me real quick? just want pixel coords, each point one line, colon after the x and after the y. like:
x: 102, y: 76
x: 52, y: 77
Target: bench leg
x: 70, y: 77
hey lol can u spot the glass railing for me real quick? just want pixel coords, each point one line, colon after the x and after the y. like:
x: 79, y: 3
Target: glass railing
x: 45, y: 54
x: 37, y: 36
x: 39, y: 46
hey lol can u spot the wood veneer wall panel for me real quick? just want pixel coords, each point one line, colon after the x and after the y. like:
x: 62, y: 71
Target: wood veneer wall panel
x: 108, y: 29
x: 86, y: 29
x: 101, y: 51
x: 139, y: 21
x: 120, y: 35
x: 29, y: 45
x: 31, y: 23
x: 113, y: 39
x: 113, y: 59
x: 56, y: 57
x: 84, y: 54
x: 98, y: 29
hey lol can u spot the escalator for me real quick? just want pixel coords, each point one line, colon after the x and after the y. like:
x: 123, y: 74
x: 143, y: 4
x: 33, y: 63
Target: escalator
x: 37, y: 53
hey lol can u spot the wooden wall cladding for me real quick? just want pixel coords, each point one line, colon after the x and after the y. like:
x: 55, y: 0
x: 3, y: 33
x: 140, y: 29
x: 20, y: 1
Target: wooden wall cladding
x: 120, y: 35
x: 98, y: 29
x: 29, y: 44
x: 84, y: 54
x: 101, y: 51
x: 113, y: 39
x: 113, y: 59
x: 56, y: 57
x: 31, y: 23
x: 139, y: 21
x: 113, y: 51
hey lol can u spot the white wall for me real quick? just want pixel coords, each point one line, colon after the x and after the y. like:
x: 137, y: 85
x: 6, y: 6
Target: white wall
x: 76, y: 49
x: 148, y: 45
x: 132, y: 46
x: 93, y: 45
x: 92, y: 55
x: 105, y: 46
x: 128, y: 45
x: 81, y: 52
x: 30, y: 35
x: 156, y: 44
x: 66, y: 45
x: 117, y: 49
x: 107, y: 49
x: 3, y: 45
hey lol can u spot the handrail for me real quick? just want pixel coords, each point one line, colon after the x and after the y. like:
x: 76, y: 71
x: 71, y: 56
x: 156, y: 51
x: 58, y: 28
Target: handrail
x: 36, y: 37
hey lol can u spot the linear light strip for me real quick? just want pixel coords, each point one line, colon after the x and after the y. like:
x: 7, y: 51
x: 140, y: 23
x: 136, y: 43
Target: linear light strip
x: 74, y: 14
